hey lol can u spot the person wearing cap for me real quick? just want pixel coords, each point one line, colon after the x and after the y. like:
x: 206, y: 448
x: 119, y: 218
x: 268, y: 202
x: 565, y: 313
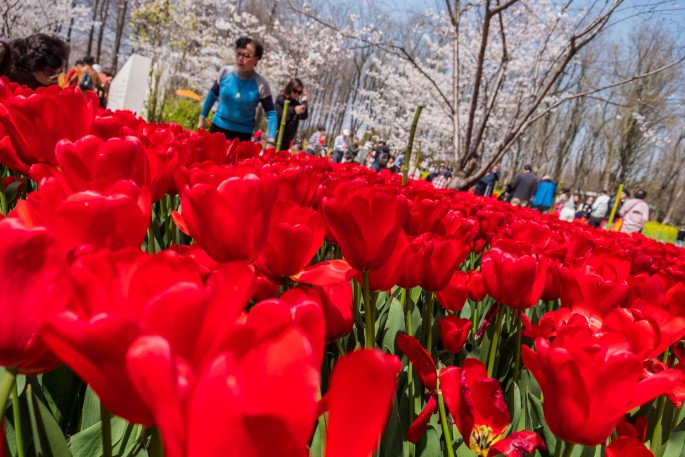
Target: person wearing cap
x: 544, y: 194
x: 239, y: 90
x: 340, y: 145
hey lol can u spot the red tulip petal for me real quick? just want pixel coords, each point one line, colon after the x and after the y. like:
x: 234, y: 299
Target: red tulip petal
x: 420, y: 359
x: 363, y: 379
x: 418, y: 427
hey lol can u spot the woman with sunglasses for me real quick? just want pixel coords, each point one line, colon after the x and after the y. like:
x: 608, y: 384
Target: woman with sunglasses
x: 37, y: 60
x: 297, y: 109
x: 239, y: 90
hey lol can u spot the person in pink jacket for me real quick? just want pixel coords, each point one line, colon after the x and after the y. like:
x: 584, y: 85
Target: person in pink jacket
x: 635, y: 212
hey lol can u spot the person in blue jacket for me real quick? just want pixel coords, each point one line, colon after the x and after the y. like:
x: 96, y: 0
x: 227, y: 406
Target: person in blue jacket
x: 239, y: 90
x: 544, y: 195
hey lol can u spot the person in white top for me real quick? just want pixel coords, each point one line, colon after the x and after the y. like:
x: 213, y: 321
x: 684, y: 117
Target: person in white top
x: 635, y: 213
x: 599, y: 209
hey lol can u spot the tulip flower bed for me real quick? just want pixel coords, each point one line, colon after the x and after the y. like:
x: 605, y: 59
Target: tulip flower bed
x: 166, y: 292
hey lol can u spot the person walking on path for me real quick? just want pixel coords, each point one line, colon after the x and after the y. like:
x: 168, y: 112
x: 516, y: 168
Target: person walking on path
x: 523, y: 187
x: 635, y: 213
x: 239, y: 90
x: 297, y: 109
x: 544, y: 195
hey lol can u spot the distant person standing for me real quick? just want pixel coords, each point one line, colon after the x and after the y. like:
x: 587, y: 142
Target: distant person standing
x: 523, y: 187
x: 340, y: 145
x: 567, y: 211
x: 297, y: 109
x: 635, y: 213
x: 239, y: 90
x: 599, y: 209
x: 680, y: 237
x: 544, y: 194
x: 485, y: 186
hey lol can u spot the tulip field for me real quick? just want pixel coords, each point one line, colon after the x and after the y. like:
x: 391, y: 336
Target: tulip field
x: 167, y: 292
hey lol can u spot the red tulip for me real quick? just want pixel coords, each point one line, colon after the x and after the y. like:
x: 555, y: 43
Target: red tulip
x: 230, y: 221
x: 480, y: 412
x: 114, y: 218
x: 454, y: 332
x: 444, y: 256
x: 93, y: 164
x: 453, y: 297
x: 363, y: 380
x: 35, y: 284
x: 599, y: 282
x: 127, y: 295
x: 295, y: 235
x: 33, y: 125
x: 365, y: 222
x: 514, y: 273
x: 627, y: 447
x: 477, y: 291
x: 590, y: 381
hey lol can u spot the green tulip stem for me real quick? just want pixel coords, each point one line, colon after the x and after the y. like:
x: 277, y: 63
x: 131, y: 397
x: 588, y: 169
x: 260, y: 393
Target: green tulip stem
x: 410, y: 144
x: 495, y: 341
x: 3, y: 198
x: 19, y: 436
x: 151, y: 237
x: 657, y: 435
x: 156, y: 445
x: 106, y: 419
x: 6, y: 384
x: 281, y: 128
x: 568, y: 449
x: 341, y: 349
x: 557, y: 448
x: 7, y: 387
x: 322, y: 428
x: 445, y: 425
x: 368, y: 314
x: 406, y: 305
x: 517, y: 362
x: 429, y: 321
x: 550, y: 306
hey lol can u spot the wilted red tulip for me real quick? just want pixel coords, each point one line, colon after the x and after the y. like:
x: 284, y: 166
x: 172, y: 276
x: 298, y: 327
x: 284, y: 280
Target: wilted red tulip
x: 35, y: 284
x: 365, y: 221
x: 514, y: 273
x: 295, y: 235
x: 454, y: 332
x: 589, y: 381
x: 230, y: 221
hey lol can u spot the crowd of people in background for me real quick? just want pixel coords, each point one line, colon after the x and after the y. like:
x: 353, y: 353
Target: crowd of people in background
x: 40, y: 60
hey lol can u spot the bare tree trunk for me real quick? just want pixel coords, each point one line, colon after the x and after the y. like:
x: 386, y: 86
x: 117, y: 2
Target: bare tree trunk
x: 91, y: 32
x: 122, y: 8
x: 104, y: 12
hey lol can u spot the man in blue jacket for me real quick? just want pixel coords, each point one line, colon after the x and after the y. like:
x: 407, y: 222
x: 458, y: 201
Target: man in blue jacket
x: 544, y: 195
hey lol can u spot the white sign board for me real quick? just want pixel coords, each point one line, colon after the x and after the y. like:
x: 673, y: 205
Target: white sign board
x: 129, y: 86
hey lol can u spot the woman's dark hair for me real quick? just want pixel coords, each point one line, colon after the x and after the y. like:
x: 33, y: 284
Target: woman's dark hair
x: 291, y: 86
x: 243, y: 41
x: 641, y: 194
x: 38, y: 52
